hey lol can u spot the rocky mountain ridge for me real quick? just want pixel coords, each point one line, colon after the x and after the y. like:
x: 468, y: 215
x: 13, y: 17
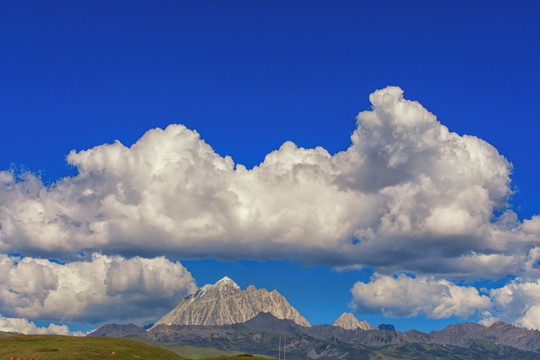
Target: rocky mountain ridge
x: 350, y: 322
x: 261, y: 335
x: 118, y: 330
x: 254, y: 320
x: 499, y: 332
x: 225, y: 303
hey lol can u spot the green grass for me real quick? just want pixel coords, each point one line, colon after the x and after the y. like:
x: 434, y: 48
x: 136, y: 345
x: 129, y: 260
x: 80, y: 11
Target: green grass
x: 56, y: 347
x: 187, y: 351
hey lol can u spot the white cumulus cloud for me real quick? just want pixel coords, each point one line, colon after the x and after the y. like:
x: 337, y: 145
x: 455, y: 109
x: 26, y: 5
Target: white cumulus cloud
x: 407, y: 296
x: 406, y: 195
x: 517, y: 302
x: 24, y: 326
x: 104, y: 288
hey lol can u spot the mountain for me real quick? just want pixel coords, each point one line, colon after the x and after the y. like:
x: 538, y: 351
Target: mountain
x: 264, y: 333
x: 224, y: 303
x: 499, y: 333
x: 261, y: 335
x: 256, y: 321
x: 350, y: 322
x: 118, y: 330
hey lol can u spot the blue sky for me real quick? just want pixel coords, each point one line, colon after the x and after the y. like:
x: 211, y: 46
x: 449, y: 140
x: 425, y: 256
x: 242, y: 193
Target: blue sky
x: 249, y: 76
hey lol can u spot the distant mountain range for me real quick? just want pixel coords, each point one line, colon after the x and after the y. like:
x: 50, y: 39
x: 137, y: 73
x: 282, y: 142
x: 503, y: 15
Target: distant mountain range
x: 253, y: 321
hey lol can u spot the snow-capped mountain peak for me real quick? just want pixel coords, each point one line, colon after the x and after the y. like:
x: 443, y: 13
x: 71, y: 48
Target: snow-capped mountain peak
x: 225, y: 303
x: 226, y: 281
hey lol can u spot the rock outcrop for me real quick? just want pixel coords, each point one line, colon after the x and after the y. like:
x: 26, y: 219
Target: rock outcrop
x: 350, y: 322
x: 225, y: 303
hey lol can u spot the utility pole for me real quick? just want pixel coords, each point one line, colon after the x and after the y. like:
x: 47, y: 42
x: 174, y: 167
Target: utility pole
x: 279, y: 348
x: 284, y: 343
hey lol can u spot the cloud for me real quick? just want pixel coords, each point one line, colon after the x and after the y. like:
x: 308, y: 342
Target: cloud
x: 407, y: 194
x: 532, y: 226
x: 517, y: 302
x: 404, y: 296
x: 24, y: 326
x: 104, y: 288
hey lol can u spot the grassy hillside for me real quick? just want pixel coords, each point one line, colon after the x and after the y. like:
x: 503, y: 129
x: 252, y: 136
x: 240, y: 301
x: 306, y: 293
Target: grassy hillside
x: 187, y: 351
x: 478, y: 350
x: 56, y: 347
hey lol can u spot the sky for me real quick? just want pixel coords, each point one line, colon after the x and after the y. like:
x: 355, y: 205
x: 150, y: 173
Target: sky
x: 372, y: 157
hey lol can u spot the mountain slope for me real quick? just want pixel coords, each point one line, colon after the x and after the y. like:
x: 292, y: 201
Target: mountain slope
x: 117, y: 330
x: 264, y: 333
x: 186, y: 351
x: 225, y: 303
x: 499, y: 333
x: 350, y: 322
